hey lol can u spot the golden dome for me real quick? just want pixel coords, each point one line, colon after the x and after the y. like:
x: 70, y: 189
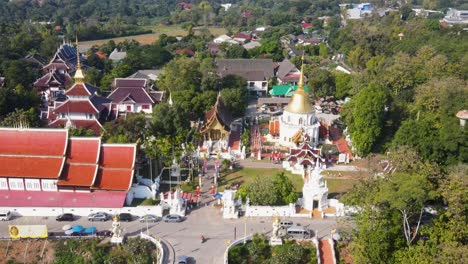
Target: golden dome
x: 300, y: 103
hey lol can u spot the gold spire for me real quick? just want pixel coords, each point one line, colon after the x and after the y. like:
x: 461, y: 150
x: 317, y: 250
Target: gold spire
x: 300, y: 103
x: 79, y: 76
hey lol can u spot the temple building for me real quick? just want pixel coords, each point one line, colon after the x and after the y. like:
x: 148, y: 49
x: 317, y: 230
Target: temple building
x: 47, y: 168
x: 83, y: 108
x: 57, y: 74
x: 217, y: 131
x: 298, y: 123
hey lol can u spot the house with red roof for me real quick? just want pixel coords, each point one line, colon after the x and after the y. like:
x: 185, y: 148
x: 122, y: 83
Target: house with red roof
x: 242, y: 37
x: 185, y: 5
x: 185, y: 51
x: 47, y: 168
x: 130, y: 95
x: 83, y: 108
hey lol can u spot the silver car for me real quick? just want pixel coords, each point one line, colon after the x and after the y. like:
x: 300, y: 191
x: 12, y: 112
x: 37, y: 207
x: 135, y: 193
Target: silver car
x: 172, y: 218
x: 99, y: 216
x: 150, y: 219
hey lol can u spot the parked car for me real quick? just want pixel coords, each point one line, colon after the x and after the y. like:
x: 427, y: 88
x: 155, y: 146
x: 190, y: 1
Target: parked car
x: 286, y: 223
x: 125, y: 217
x: 5, y: 215
x: 65, y: 217
x: 182, y: 260
x: 172, y: 218
x: 104, y: 233
x: 99, y: 216
x: 150, y: 219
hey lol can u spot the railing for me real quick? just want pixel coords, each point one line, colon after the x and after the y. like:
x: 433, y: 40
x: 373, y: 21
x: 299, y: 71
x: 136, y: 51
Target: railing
x: 235, y: 243
x: 158, y: 245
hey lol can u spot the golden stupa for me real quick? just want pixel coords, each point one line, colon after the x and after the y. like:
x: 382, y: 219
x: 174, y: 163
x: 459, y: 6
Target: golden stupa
x: 300, y: 103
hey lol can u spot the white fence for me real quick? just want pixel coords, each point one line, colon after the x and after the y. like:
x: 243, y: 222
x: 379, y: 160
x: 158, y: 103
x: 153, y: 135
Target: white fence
x: 338, y: 206
x: 158, y: 245
x: 283, y: 211
x: 54, y: 211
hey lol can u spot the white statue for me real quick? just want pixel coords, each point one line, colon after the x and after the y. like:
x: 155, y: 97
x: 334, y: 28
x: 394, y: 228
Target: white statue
x: 116, y: 230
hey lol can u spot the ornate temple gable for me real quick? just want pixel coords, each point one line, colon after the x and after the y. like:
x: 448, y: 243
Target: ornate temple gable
x: 217, y: 116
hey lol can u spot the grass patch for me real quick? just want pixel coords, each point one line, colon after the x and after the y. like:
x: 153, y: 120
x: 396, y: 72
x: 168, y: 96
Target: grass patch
x: 247, y: 175
x: 152, y: 37
x: 336, y: 187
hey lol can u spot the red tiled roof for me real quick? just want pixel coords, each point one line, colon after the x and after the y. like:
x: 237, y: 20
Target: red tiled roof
x: 129, y: 82
x: 92, y: 124
x: 81, y: 89
x: 47, y: 142
x: 185, y: 51
x: 100, y: 55
x: 83, y: 150
x: 62, y: 199
x: 31, y: 166
x: 81, y: 106
x: 117, y: 156
x: 111, y: 179
x: 137, y: 94
x: 306, y: 25
x: 78, y: 175
x: 243, y: 36
x: 116, y: 170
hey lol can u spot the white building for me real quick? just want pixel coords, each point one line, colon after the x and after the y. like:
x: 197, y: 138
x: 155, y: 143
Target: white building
x: 298, y: 122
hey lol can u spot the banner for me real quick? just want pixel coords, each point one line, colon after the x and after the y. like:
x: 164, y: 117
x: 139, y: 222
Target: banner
x: 27, y: 231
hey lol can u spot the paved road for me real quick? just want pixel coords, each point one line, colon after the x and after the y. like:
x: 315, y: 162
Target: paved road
x: 184, y: 237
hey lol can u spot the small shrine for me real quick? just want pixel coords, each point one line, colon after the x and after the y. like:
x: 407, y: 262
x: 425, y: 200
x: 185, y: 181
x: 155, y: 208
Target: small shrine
x: 216, y: 128
x: 174, y: 202
x: 229, y: 205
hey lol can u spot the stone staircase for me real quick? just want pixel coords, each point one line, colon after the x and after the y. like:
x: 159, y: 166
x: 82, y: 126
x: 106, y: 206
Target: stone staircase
x: 316, y: 214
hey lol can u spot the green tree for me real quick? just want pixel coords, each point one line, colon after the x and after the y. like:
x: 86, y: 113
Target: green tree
x: 235, y: 101
x: 20, y: 117
x: 367, y: 118
x: 132, y: 129
x: 342, y: 84
x: 180, y: 74
x: 169, y: 121
x: 321, y: 83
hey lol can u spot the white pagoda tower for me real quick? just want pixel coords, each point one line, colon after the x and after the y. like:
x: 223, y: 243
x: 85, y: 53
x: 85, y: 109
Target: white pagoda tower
x: 298, y: 122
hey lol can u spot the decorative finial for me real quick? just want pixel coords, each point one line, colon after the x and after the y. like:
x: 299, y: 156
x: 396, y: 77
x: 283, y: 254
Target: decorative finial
x: 300, y: 84
x: 79, y: 76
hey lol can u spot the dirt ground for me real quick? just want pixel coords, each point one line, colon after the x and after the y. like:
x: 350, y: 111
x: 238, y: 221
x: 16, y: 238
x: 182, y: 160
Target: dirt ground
x: 27, y: 251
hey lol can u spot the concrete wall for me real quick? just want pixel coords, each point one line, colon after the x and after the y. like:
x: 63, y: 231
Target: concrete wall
x: 55, y: 211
